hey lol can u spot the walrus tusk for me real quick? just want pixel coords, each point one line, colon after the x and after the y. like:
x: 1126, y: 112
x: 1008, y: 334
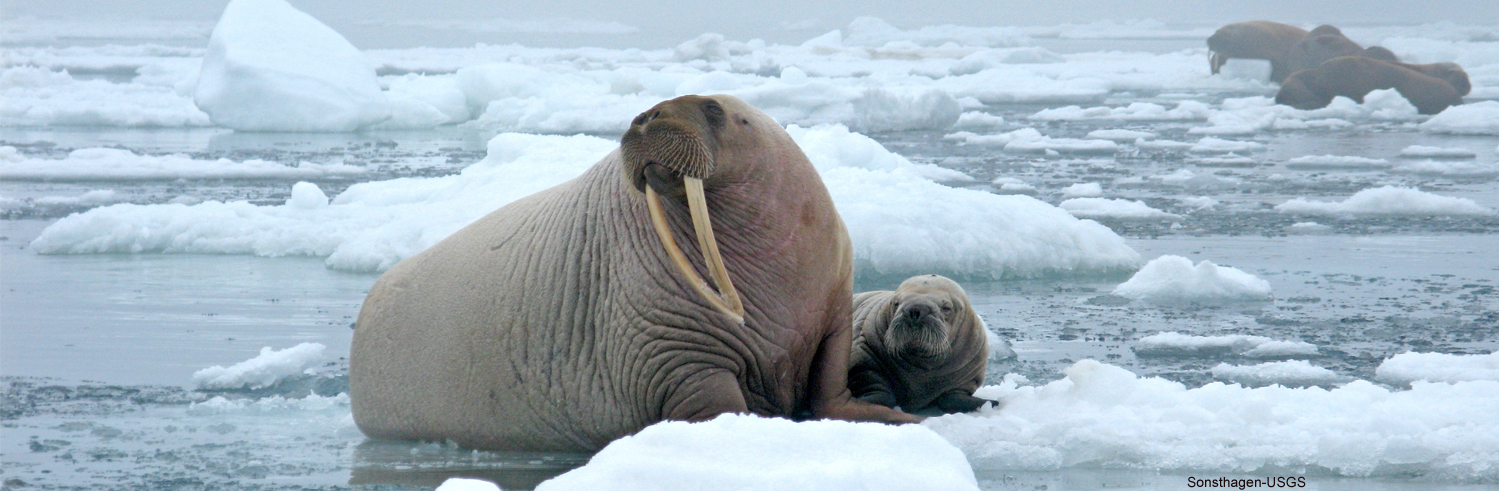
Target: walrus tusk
x: 728, y: 302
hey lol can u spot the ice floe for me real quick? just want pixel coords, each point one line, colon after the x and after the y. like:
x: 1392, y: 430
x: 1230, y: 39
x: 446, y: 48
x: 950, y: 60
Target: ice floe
x: 736, y: 451
x: 1388, y: 200
x: 1114, y: 208
x: 1347, y: 162
x: 1423, y: 151
x: 1103, y: 416
x: 1120, y: 135
x: 1174, y: 279
x: 1448, y: 169
x: 107, y: 164
x: 1479, y: 118
x: 900, y: 220
x: 1029, y: 140
x: 35, y: 96
x: 1083, y: 190
x: 271, y: 67
x: 263, y: 370
x: 1135, y: 111
x: 1292, y: 373
x: 1173, y: 343
x: 1404, y: 368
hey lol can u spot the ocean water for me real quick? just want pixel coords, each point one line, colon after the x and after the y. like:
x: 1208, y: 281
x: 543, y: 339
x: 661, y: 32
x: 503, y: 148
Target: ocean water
x: 97, y: 350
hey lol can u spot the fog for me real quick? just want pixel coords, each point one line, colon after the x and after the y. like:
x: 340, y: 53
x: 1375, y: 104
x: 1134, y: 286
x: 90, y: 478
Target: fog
x: 394, y: 23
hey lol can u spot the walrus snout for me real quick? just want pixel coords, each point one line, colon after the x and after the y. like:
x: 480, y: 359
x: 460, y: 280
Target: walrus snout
x: 918, y: 329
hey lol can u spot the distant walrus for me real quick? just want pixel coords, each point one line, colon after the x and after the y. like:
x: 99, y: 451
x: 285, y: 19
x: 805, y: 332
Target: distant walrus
x: 918, y: 347
x: 1355, y: 77
x: 1328, y: 42
x: 1256, y: 39
x: 573, y: 317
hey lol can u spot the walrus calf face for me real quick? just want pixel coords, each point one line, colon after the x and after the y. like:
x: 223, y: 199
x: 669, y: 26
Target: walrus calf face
x: 921, y: 324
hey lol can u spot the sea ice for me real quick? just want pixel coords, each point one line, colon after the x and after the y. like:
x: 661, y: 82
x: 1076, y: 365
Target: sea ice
x: 1348, y: 162
x: 40, y: 97
x: 1083, y: 190
x: 1173, y: 279
x: 464, y: 484
x: 1219, y: 145
x: 1448, y: 169
x: 1028, y: 140
x: 1173, y: 343
x: 261, y: 371
x: 271, y: 67
x: 978, y: 120
x: 1422, y: 151
x: 1119, y: 135
x: 736, y: 451
x: 1404, y: 368
x: 92, y: 198
x: 1135, y: 111
x: 1011, y: 185
x: 110, y: 164
x: 1292, y: 373
x: 1388, y: 200
x: 1479, y: 118
x: 1114, y: 208
x: 1103, y: 416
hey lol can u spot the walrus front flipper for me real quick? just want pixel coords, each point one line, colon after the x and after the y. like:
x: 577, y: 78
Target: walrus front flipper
x: 958, y: 402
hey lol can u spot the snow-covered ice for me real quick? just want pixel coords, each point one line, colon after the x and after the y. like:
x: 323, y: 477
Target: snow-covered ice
x: 1219, y: 145
x: 1083, y: 190
x: 1291, y: 373
x: 1447, y: 168
x: 1011, y: 185
x: 1405, y: 368
x: 1120, y: 135
x: 1135, y: 111
x: 1479, y: 118
x: 1114, y: 208
x: 1029, y: 140
x: 271, y: 67
x: 1388, y: 200
x: 749, y: 452
x: 1423, y: 151
x: 263, y: 370
x: 108, y: 164
x: 1336, y: 162
x: 1174, y: 279
x: 1103, y: 416
x: 41, y: 97
x: 1173, y: 343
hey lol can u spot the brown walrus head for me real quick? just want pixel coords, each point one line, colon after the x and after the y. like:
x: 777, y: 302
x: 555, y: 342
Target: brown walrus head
x: 669, y: 149
x: 924, y: 316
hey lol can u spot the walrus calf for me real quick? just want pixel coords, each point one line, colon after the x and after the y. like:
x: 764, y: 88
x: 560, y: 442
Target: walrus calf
x: 919, y: 347
x: 1258, y: 40
x: 1355, y: 77
x: 573, y: 317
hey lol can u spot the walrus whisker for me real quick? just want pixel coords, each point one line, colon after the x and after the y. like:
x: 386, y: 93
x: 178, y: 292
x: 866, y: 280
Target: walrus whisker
x: 658, y: 221
x: 697, y: 204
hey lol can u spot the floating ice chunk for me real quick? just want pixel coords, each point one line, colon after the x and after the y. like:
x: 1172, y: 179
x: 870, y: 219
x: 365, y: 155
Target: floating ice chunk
x: 1103, y: 416
x: 1173, y: 279
x: 1083, y: 190
x: 1119, y: 135
x: 1404, y: 368
x: 1189, y: 179
x: 1114, y: 208
x: 100, y: 164
x: 1136, y: 111
x: 736, y: 451
x: 92, y: 198
x: 1172, y: 343
x: 1200, y: 202
x: 1229, y: 160
x: 1448, y: 169
x: 978, y: 120
x: 833, y: 146
x: 1218, y: 145
x: 1308, y: 228
x: 1028, y: 140
x: 40, y: 97
x: 220, y: 405
x: 425, y: 101
x: 271, y: 67
x: 982, y: 60
x: 1163, y: 144
x: 1347, y: 162
x: 1479, y: 118
x: 1010, y: 185
x: 1388, y: 200
x: 464, y: 484
x: 1244, y: 116
x: 874, y: 32
x: 1292, y: 373
x: 307, y: 196
x: 707, y: 47
x: 261, y: 371
x: 1421, y: 151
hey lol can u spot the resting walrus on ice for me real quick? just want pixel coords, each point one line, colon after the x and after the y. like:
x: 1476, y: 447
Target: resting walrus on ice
x: 919, y: 347
x: 580, y: 314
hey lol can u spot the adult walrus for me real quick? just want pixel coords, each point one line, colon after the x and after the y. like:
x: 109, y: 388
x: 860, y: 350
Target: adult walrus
x: 1327, y: 42
x: 572, y: 317
x: 1256, y: 39
x: 920, y: 347
x: 1355, y: 77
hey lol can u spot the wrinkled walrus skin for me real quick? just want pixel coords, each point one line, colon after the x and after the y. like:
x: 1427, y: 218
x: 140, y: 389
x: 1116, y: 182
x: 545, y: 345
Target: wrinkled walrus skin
x: 1328, y: 42
x: 921, y: 347
x: 560, y: 323
x: 1356, y: 76
x: 1258, y: 40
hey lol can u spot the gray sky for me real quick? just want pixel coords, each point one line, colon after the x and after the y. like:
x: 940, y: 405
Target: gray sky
x: 669, y: 22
